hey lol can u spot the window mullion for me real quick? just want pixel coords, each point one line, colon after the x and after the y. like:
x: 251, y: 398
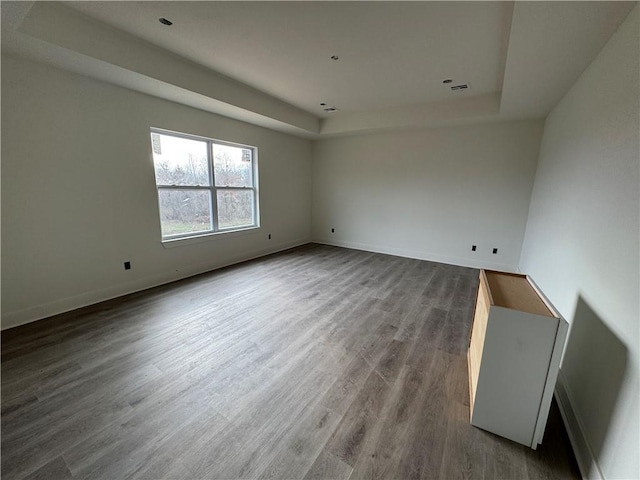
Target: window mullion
x: 214, y: 196
x: 183, y: 187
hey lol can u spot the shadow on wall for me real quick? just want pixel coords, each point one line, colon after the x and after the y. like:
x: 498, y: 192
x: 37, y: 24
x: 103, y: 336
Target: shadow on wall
x: 594, y: 365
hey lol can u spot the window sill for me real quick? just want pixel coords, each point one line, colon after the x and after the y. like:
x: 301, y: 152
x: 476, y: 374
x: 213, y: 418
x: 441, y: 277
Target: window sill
x: 207, y: 237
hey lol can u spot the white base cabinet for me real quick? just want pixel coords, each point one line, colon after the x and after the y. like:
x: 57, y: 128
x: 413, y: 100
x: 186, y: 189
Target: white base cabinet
x: 514, y: 356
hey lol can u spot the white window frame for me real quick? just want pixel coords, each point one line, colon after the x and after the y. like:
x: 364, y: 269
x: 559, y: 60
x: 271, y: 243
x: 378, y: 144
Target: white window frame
x: 212, y: 188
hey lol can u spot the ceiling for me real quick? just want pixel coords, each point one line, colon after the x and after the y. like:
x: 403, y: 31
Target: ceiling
x: 389, y: 54
x: 269, y: 63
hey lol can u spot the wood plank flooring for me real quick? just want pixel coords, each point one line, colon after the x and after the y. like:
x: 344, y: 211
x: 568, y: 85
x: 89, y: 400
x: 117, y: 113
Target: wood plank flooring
x: 318, y: 362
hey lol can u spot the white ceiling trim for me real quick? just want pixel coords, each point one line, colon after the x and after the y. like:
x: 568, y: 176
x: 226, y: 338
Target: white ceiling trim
x: 435, y: 114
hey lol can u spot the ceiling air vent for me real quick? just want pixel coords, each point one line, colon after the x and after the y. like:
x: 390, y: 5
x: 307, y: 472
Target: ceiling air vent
x: 462, y: 86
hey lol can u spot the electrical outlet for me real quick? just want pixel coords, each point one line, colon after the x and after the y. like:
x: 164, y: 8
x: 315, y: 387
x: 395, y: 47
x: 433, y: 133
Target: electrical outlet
x: 127, y: 265
x: 333, y: 230
x: 495, y: 250
x: 269, y: 236
x: 473, y: 248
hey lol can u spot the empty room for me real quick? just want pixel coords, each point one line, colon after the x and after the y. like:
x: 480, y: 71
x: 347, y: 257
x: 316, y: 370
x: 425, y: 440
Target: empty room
x: 320, y: 240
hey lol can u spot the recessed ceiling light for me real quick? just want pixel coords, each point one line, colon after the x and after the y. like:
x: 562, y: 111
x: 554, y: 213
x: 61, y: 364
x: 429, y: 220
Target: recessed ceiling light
x: 448, y: 80
x: 164, y: 21
x: 334, y: 57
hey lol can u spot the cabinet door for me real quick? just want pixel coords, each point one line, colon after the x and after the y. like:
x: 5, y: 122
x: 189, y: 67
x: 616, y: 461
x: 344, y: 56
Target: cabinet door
x: 515, y: 365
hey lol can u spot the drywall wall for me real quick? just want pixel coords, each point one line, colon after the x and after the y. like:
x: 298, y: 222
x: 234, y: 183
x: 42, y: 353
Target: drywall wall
x: 79, y: 197
x: 581, y: 247
x: 428, y: 194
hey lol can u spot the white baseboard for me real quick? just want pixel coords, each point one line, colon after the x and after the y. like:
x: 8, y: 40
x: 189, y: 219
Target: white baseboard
x: 399, y: 252
x: 38, y: 312
x: 587, y: 461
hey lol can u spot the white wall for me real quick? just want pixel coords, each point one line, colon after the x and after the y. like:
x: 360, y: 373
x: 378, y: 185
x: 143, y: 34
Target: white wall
x: 582, y: 247
x: 79, y: 198
x: 429, y: 193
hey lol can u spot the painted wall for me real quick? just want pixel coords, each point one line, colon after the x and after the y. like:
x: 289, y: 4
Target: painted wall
x: 581, y: 247
x: 429, y: 194
x: 79, y: 197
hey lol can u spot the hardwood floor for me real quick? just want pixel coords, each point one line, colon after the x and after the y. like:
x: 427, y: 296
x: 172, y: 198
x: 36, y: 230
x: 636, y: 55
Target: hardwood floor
x: 318, y: 362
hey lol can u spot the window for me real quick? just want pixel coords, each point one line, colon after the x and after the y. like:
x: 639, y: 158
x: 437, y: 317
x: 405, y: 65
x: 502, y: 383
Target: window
x: 204, y: 186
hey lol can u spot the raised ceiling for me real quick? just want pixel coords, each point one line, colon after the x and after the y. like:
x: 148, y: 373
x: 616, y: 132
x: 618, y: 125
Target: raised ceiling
x: 269, y: 62
x: 390, y: 54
